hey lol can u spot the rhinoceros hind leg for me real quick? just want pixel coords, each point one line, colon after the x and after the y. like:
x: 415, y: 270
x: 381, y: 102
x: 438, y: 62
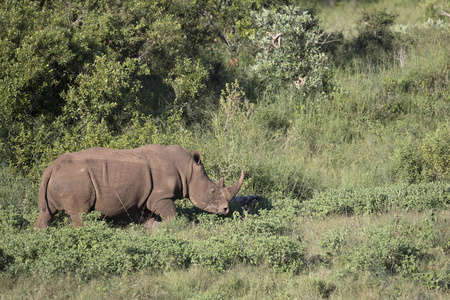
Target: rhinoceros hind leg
x: 43, y: 220
x: 77, y: 220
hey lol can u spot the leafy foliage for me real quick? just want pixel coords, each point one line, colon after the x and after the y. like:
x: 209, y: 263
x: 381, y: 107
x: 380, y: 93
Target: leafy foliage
x: 94, y: 250
x: 290, y: 49
x: 381, y: 199
x: 71, y: 69
x: 425, y: 160
x: 375, y: 41
x: 436, y: 153
x: 435, y: 9
x: 374, y: 32
x: 333, y: 241
x: 385, y: 251
x: 99, y: 249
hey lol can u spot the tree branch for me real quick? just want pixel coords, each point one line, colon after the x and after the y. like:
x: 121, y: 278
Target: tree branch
x: 441, y: 12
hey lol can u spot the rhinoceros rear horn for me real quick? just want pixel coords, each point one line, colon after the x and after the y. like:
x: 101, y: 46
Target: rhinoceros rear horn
x: 234, y: 189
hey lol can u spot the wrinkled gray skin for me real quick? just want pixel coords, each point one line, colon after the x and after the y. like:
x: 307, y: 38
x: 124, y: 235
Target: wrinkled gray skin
x: 124, y: 182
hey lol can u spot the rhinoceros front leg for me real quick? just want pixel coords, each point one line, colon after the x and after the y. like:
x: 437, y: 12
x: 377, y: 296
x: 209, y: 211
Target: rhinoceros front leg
x: 151, y: 223
x: 165, y: 209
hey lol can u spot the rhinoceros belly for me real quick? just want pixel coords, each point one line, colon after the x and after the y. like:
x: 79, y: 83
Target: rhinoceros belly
x: 120, y: 186
x: 112, y: 186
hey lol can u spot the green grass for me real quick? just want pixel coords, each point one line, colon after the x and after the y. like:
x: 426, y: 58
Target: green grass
x: 333, y: 269
x: 343, y: 16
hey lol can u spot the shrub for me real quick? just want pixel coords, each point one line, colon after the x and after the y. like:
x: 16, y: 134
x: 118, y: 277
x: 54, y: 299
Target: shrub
x: 408, y: 163
x: 436, y: 153
x: 374, y: 36
x: 187, y: 79
x: 99, y: 249
x: 234, y: 108
x: 435, y: 9
x: 416, y: 197
x: 82, y: 72
x: 332, y: 241
x: 427, y: 159
x: 95, y: 249
x: 221, y: 252
x: 290, y: 50
x: 385, y: 251
x: 16, y: 193
x: 3, y: 260
x: 253, y: 240
x: 266, y: 222
x: 12, y: 220
x: 436, y: 280
x: 279, y: 252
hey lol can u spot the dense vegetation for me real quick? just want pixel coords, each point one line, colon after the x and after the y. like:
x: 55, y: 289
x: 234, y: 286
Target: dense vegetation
x: 338, y: 111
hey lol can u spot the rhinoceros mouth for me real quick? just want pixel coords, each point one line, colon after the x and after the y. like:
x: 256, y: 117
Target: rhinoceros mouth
x: 222, y: 211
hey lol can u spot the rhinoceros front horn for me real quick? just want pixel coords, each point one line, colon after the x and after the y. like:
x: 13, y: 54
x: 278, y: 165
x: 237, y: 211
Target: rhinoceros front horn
x: 234, y: 189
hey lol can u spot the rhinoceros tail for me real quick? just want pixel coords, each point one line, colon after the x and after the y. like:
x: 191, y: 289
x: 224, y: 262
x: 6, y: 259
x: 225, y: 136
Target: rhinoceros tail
x: 43, y: 200
x: 45, y: 213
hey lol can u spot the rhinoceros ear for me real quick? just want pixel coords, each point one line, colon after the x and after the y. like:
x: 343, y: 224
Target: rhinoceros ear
x: 197, y: 156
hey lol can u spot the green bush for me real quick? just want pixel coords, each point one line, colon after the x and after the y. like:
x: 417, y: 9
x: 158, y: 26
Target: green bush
x: 375, y: 37
x: 253, y: 240
x: 12, y: 220
x: 437, y: 280
x: 16, y: 192
x: 220, y: 253
x: 415, y: 197
x: 426, y: 159
x: 332, y: 241
x: 98, y: 249
x: 279, y: 252
x: 290, y: 51
x: 436, y: 153
x: 434, y: 9
x: 266, y: 222
x: 93, y: 250
x: 385, y: 251
x: 85, y: 71
x: 409, y: 165
x: 188, y: 81
x: 3, y: 260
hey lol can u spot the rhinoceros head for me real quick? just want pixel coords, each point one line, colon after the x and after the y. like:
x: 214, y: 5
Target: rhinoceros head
x: 208, y: 195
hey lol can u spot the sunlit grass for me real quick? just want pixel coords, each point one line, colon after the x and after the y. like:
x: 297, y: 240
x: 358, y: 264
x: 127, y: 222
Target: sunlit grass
x: 343, y: 16
x: 325, y: 276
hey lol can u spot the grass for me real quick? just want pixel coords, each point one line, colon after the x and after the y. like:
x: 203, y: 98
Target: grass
x: 327, y: 275
x: 343, y: 16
